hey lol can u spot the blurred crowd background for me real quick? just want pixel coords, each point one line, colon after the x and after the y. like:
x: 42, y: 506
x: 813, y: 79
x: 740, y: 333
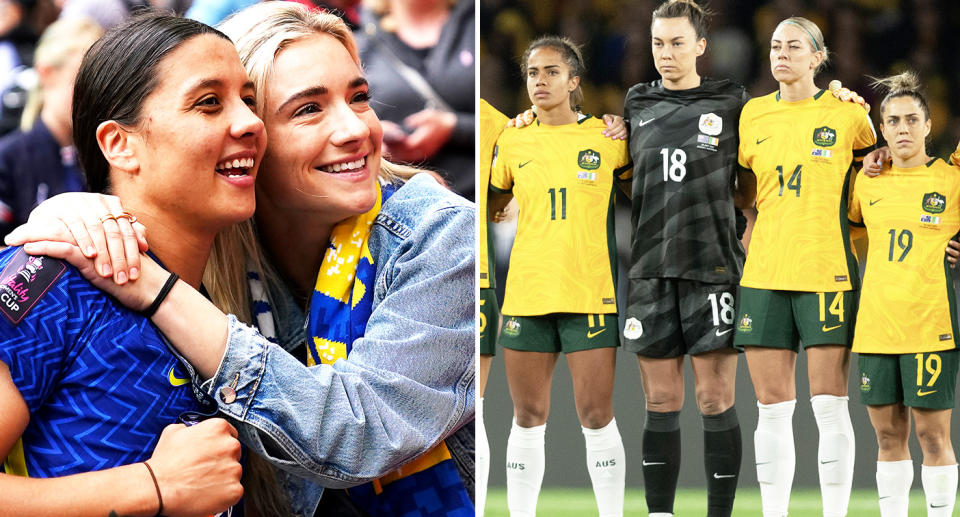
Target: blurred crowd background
x: 866, y: 37
x: 419, y: 57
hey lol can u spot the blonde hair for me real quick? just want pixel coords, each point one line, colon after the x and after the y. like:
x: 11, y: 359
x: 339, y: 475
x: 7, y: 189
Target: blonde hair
x: 906, y: 84
x: 61, y: 40
x: 816, y: 38
x: 260, y: 32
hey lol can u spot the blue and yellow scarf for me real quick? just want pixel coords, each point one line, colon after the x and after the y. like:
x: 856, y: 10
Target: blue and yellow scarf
x: 339, y: 309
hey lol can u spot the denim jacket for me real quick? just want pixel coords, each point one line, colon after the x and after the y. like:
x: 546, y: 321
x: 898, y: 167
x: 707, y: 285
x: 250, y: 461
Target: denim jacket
x: 407, y: 384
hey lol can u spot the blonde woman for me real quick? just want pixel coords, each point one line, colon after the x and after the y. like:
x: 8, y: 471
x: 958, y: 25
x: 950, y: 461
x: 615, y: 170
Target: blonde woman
x: 39, y: 160
x: 800, y: 279
x: 394, y: 293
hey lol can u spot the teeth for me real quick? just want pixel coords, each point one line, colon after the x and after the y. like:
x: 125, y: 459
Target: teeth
x: 344, y: 166
x: 242, y: 163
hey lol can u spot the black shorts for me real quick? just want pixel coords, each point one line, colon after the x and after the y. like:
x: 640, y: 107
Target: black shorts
x: 670, y: 317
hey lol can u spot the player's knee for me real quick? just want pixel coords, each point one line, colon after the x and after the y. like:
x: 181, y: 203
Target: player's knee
x: 891, y: 438
x: 933, y: 440
x: 714, y: 401
x: 663, y: 401
x: 595, y: 417
x: 531, y: 414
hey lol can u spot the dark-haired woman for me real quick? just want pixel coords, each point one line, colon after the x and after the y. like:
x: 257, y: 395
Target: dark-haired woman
x: 800, y: 278
x: 163, y: 119
x: 908, y: 366
x: 687, y: 256
x: 560, y: 284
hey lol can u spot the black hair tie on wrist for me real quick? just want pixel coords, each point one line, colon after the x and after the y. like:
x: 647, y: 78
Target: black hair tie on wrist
x: 164, y: 291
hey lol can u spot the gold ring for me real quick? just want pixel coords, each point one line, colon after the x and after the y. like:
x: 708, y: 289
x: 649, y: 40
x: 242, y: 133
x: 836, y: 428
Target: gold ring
x: 128, y: 216
x: 107, y: 217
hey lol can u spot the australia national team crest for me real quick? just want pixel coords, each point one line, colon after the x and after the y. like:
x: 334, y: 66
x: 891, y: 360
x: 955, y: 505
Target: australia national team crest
x: 824, y: 136
x: 588, y: 159
x: 934, y: 203
x: 711, y: 124
x: 511, y: 327
x: 746, y: 324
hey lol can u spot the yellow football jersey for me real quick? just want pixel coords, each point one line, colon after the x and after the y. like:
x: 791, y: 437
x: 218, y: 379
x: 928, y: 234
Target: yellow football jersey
x: 563, y: 258
x: 801, y: 153
x: 907, y: 303
x: 491, y: 124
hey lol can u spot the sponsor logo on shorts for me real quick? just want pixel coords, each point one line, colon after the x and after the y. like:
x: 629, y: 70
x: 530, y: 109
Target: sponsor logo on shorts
x: 588, y: 159
x: 922, y: 393
x: 511, y: 327
x: 591, y: 335
x: 632, y: 329
x: 864, y: 382
x: 746, y: 324
x: 946, y: 337
x: 720, y: 333
x: 608, y: 301
x: 840, y: 278
x: 828, y: 329
x: 824, y: 136
x: 934, y: 203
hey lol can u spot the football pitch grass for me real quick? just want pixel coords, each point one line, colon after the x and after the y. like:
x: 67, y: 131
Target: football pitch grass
x: 578, y: 502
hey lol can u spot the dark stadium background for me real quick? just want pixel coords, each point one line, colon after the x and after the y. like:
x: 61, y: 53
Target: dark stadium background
x: 866, y: 37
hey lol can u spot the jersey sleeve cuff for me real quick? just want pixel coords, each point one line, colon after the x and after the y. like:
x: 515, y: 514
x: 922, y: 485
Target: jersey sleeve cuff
x: 499, y: 190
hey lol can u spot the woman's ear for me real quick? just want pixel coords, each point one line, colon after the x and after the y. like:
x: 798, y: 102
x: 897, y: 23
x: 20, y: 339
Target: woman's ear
x: 115, y: 143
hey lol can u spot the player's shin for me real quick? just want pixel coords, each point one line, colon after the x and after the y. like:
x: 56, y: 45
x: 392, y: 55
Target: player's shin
x: 775, y: 456
x: 940, y: 488
x: 482, y: 460
x: 525, y: 466
x: 835, y: 453
x: 606, y: 463
x: 661, y: 460
x: 722, y: 453
x: 894, y: 479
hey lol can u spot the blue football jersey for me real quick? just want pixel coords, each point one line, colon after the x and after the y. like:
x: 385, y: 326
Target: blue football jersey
x: 98, y: 379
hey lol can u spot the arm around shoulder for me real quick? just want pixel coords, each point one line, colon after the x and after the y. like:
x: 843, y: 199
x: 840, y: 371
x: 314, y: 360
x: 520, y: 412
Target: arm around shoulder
x: 407, y: 384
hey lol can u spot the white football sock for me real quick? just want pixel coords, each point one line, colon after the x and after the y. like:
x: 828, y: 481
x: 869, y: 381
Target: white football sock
x: 482, y: 459
x: 835, y: 453
x: 894, y: 479
x: 525, y: 465
x: 606, y: 463
x: 775, y: 456
x: 940, y: 487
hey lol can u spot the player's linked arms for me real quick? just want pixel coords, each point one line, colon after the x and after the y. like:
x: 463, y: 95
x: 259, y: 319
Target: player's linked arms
x: 616, y: 127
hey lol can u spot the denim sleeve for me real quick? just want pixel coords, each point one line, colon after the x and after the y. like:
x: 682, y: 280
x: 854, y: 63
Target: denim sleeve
x: 408, y: 383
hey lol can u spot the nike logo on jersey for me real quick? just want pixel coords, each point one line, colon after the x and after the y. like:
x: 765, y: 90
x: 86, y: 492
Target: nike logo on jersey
x: 642, y: 123
x: 760, y: 141
x: 174, y: 380
x: 874, y: 202
x: 524, y: 163
x: 591, y: 335
x: 828, y: 329
x: 649, y: 463
x: 724, y: 332
x: 722, y: 476
x: 921, y: 393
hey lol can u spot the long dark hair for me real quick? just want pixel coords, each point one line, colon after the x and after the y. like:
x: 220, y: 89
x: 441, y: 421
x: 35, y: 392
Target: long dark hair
x: 116, y: 76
